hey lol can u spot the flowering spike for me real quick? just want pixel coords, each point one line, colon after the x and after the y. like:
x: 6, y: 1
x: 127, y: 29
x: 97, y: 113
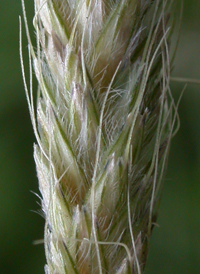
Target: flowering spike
x: 105, y: 122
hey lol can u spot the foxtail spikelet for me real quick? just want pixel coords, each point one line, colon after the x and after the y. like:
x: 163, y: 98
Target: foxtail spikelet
x: 103, y: 126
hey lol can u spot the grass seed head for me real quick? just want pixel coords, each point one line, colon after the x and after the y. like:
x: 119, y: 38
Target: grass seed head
x: 105, y: 116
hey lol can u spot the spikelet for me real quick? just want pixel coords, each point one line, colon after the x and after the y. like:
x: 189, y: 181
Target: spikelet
x: 105, y: 116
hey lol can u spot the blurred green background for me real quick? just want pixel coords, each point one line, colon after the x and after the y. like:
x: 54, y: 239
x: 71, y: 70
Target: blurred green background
x: 175, y: 246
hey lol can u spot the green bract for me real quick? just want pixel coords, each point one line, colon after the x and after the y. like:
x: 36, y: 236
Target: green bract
x: 105, y: 116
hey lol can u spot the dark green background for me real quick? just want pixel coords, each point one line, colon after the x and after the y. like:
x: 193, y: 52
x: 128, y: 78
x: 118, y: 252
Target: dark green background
x: 175, y: 246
